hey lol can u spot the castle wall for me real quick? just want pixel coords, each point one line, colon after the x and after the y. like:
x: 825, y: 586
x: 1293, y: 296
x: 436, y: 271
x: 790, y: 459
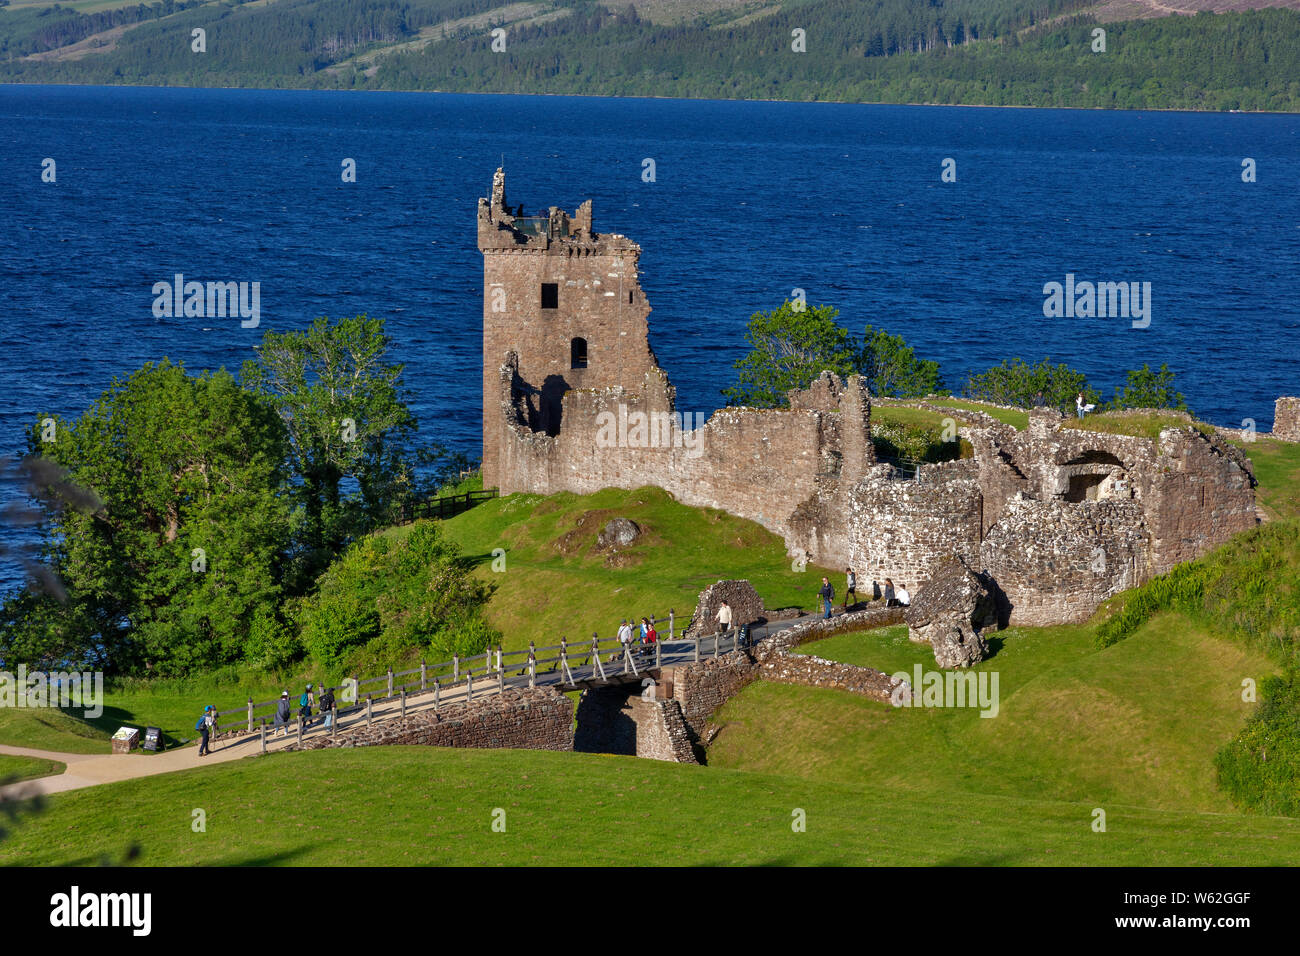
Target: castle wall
x: 1286, y: 418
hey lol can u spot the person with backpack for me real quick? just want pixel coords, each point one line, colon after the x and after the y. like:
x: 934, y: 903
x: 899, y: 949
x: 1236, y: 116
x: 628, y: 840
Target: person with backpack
x: 282, y: 712
x: 304, y: 707
x: 327, y: 706
x: 210, y: 717
x: 202, y: 728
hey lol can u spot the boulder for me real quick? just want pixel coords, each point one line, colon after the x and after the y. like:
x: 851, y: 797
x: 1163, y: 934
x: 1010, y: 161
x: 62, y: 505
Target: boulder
x: 618, y: 533
x: 746, y: 606
x: 956, y: 604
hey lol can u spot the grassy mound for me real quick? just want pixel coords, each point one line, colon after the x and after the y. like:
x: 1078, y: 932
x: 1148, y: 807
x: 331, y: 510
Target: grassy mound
x: 557, y: 583
x: 48, y: 728
x: 1135, y: 724
x: 414, y: 805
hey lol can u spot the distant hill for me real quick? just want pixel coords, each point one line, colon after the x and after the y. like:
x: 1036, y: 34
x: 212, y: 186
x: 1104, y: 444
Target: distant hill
x: 990, y: 52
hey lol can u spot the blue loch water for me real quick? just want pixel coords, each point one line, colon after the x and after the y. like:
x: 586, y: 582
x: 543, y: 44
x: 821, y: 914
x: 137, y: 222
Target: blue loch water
x: 750, y: 200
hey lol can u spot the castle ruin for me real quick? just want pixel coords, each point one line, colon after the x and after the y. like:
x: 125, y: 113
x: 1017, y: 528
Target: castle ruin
x: 574, y: 400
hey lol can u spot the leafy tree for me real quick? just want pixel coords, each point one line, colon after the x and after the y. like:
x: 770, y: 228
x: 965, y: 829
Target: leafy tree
x: 183, y: 545
x: 387, y: 596
x: 891, y: 368
x: 790, y: 347
x: 1145, y: 388
x: 347, y: 425
x: 1016, y: 382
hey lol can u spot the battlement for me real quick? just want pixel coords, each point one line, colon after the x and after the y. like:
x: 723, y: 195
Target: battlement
x: 555, y: 232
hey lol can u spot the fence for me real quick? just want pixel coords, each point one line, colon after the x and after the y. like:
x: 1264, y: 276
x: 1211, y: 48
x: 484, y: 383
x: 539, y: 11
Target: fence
x: 568, y: 664
x: 448, y: 506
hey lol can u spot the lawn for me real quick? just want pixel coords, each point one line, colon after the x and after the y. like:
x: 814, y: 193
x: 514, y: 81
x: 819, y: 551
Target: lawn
x: 1277, y: 468
x: 1137, y: 723
x: 1139, y: 426
x: 15, y: 769
x: 1008, y: 416
x: 50, y: 729
x: 413, y: 806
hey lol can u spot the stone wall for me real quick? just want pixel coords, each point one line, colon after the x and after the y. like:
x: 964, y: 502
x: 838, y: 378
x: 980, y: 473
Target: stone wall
x: 1286, y: 418
x: 538, y: 719
x: 786, y: 668
x: 661, y: 731
x: 746, y: 607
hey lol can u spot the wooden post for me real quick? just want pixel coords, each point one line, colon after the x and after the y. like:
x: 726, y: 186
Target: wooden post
x: 403, y: 701
x: 390, y: 682
x: 250, y: 715
x: 437, y: 692
x: 469, y: 685
x: 697, y: 647
x: 370, y: 716
x: 532, y: 664
x: 455, y: 667
x: 424, y: 673
x: 263, y: 735
x: 334, y: 720
x: 498, y: 657
x: 671, y: 617
x: 658, y: 644
x: 300, y: 730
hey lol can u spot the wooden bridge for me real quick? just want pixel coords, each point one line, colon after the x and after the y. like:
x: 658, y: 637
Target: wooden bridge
x: 564, y: 666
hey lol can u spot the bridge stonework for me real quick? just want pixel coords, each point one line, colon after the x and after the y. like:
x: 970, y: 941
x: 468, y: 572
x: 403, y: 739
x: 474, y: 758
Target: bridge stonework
x: 536, y: 719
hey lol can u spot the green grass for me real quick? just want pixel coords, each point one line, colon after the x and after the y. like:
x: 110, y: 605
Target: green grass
x: 1277, y: 468
x: 50, y: 729
x: 1135, y: 724
x: 414, y: 806
x: 1139, y: 426
x: 15, y: 769
x: 909, y: 415
x: 1008, y: 416
x: 556, y: 584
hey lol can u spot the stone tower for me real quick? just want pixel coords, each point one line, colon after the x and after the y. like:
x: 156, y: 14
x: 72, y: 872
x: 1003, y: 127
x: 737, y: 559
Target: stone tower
x: 566, y: 302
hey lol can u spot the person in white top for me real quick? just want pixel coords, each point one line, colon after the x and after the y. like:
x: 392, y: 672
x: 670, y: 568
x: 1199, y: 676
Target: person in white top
x: 624, y: 636
x: 724, y: 617
x: 902, y: 596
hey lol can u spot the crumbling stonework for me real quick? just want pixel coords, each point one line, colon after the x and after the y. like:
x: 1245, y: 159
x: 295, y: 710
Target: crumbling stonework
x: 951, y: 611
x: 746, y: 607
x: 810, y: 671
x: 537, y: 719
x: 574, y: 400
x: 661, y: 732
x: 1286, y: 418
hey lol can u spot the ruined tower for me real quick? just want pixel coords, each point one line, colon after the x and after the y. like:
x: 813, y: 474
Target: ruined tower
x: 563, y: 305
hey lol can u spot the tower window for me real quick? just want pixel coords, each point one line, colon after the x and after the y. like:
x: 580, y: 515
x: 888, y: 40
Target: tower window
x: 550, y: 295
x: 578, y: 353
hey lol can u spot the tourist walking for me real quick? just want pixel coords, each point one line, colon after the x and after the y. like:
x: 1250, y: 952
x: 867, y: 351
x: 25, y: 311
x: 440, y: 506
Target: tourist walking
x: 282, y: 712
x: 624, y: 636
x: 203, y: 727
x: 210, y: 715
x: 890, y: 600
x: 724, y: 618
x: 1078, y: 404
x: 850, y: 587
x: 327, y: 706
x: 827, y: 593
x: 304, y: 706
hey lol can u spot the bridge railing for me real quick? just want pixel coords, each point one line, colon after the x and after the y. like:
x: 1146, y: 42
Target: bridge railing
x: 566, y: 664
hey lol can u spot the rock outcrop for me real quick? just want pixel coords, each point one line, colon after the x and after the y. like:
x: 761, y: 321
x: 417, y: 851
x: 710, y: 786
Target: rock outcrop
x: 618, y: 533
x: 746, y: 606
x: 950, y: 612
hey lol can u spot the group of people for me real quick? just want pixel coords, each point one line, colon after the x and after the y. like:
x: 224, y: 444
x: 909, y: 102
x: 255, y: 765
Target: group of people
x: 894, y: 597
x: 1081, y: 405
x: 207, y: 724
x: 647, y: 635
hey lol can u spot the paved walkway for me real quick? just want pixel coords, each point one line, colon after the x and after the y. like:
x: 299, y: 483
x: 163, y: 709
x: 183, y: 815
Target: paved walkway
x: 89, y: 770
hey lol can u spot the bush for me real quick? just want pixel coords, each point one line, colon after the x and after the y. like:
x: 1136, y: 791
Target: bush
x: 386, y: 599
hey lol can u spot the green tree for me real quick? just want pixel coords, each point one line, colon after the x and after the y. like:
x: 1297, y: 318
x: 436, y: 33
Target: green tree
x: 1145, y: 388
x: 1016, y: 382
x: 386, y: 597
x: 347, y: 424
x: 184, y: 541
x: 890, y: 367
x: 789, y: 347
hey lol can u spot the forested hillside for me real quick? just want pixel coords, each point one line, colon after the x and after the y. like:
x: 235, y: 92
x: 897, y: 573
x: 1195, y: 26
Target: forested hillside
x: 995, y: 52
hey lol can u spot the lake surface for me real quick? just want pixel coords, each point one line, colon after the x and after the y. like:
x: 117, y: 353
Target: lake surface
x: 751, y: 200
